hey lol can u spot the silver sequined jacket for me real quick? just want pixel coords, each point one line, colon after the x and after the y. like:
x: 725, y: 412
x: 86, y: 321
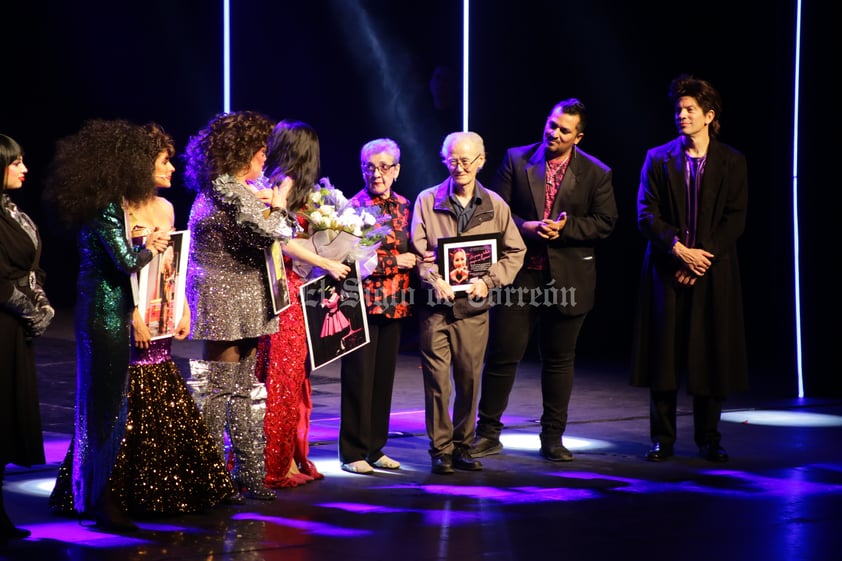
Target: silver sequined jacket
x: 227, y: 282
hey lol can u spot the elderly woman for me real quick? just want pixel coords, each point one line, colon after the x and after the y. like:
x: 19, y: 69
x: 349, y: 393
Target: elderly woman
x: 368, y: 373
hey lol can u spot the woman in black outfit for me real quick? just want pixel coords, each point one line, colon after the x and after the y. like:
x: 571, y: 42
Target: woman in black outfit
x: 25, y: 313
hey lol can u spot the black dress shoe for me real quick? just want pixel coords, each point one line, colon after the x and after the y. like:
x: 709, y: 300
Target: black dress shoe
x: 443, y: 464
x: 462, y: 459
x: 108, y: 517
x: 713, y: 453
x: 659, y: 453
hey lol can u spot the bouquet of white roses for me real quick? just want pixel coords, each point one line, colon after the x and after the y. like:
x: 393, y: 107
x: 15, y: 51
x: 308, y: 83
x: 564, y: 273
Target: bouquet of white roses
x: 340, y: 231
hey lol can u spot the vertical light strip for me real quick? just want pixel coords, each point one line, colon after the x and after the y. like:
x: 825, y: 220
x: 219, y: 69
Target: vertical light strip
x: 226, y: 56
x: 466, y: 24
x: 795, y: 241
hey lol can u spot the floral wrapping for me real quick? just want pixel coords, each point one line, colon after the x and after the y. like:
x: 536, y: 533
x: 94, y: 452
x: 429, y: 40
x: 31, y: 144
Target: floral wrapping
x: 339, y: 246
x: 340, y: 231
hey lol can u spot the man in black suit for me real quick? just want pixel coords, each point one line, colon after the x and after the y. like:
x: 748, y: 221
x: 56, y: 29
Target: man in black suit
x: 562, y: 200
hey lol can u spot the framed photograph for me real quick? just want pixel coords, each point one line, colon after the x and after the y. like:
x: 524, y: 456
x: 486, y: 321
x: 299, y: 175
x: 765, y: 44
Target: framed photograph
x: 334, y: 316
x: 161, y: 283
x: 461, y: 259
x: 278, y: 287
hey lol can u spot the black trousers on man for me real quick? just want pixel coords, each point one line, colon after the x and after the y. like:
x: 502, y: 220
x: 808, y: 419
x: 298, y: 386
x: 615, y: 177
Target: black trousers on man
x: 511, y: 328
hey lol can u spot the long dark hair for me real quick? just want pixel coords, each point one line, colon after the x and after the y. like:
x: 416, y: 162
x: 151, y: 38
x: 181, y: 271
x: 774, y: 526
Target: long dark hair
x: 293, y: 150
x: 10, y: 151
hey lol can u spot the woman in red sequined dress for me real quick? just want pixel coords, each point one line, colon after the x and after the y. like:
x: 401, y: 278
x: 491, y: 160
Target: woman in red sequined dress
x: 282, y: 363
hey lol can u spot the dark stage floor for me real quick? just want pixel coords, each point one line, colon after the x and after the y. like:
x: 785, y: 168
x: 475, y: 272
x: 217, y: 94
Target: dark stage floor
x: 779, y: 498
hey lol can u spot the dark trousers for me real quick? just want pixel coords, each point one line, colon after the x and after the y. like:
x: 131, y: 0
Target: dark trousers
x: 367, y: 377
x: 707, y: 410
x: 511, y: 328
x: 662, y: 418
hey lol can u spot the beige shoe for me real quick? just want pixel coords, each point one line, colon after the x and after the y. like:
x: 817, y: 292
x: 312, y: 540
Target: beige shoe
x: 385, y: 462
x: 360, y: 466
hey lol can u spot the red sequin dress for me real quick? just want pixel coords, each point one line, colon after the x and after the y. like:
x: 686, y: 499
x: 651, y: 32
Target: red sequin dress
x: 282, y: 364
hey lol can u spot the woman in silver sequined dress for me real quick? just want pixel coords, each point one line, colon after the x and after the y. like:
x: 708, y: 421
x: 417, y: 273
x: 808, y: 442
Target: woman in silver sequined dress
x: 227, y: 280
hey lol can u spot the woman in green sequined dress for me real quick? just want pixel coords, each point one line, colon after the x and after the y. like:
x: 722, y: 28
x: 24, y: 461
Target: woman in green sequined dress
x: 94, y: 173
x: 168, y: 463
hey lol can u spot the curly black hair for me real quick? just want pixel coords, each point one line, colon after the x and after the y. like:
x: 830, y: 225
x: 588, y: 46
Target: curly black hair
x: 225, y: 146
x: 106, y: 161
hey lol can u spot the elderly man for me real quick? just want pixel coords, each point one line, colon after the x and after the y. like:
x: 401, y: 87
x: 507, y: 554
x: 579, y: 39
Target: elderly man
x: 453, y: 326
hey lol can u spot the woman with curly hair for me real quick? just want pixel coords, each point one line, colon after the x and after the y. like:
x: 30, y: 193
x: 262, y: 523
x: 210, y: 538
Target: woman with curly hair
x: 168, y: 463
x: 95, y: 172
x: 227, y: 280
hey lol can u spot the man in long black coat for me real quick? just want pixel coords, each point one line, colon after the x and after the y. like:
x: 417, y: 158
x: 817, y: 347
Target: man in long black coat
x: 692, y: 210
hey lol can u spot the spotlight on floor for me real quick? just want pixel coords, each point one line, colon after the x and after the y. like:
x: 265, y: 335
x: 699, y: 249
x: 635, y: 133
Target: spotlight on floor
x: 36, y: 487
x: 782, y: 418
x: 532, y: 443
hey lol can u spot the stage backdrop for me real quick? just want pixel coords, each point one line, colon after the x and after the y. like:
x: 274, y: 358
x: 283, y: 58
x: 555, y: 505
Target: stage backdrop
x: 360, y: 70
